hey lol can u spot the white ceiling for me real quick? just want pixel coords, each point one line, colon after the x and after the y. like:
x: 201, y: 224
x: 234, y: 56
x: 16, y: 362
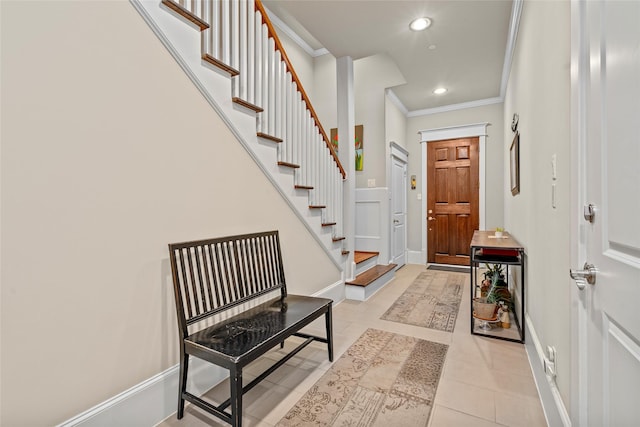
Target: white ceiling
x: 469, y: 39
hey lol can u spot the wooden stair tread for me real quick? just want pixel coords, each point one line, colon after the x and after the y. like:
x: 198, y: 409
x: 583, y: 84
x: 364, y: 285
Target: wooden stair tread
x: 345, y: 252
x: 317, y: 206
x: 370, y: 276
x: 338, y: 238
x: 186, y: 14
x: 362, y: 256
x: 303, y: 187
x: 269, y: 137
x: 246, y: 104
x: 288, y: 165
x: 328, y: 224
x: 216, y: 62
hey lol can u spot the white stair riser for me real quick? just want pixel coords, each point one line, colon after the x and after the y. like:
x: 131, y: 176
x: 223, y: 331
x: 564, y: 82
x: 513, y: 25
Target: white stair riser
x: 363, y: 293
x: 365, y: 265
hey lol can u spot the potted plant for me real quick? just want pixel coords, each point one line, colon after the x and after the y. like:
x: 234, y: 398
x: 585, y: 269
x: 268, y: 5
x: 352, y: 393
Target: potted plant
x: 499, y: 289
x: 499, y: 231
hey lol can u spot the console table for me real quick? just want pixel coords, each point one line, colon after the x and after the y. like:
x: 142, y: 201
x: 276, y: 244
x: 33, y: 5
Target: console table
x: 486, y: 248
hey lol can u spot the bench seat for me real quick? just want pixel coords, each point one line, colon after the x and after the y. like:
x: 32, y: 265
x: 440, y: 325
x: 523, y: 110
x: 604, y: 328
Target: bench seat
x: 220, y: 286
x: 242, y: 338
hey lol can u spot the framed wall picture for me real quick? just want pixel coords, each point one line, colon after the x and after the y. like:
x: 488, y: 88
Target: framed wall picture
x: 514, y: 156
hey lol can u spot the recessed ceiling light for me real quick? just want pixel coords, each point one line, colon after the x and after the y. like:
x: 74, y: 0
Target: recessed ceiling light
x: 432, y: 47
x: 420, y: 24
x: 440, y: 91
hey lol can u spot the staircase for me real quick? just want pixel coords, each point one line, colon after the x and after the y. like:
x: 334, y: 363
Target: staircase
x: 231, y: 52
x: 370, y: 276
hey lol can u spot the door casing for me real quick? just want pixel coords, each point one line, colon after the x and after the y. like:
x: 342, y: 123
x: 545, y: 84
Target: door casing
x: 455, y: 132
x: 397, y: 153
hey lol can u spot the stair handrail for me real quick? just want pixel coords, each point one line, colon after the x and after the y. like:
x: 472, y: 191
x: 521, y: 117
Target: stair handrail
x: 278, y: 45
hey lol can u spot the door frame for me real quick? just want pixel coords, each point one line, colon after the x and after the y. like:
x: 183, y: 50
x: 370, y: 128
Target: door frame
x: 400, y: 153
x: 454, y: 132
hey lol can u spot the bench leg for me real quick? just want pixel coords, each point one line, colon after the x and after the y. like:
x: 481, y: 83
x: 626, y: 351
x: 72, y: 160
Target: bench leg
x: 329, y: 322
x: 235, y: 382
x: 182, y: 387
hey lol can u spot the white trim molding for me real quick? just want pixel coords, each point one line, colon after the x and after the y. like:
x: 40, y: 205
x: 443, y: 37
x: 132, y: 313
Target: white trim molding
x: 554, y: 409
x: 156, y: 399
x: 514, y: 25
x: 280, y: 24
x: 455, y: 107
x: 454, y: 132
x: 396, y: 101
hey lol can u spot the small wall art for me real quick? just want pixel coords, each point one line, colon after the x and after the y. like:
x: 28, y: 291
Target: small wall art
x: 514, y: 161
x: 359, y: 133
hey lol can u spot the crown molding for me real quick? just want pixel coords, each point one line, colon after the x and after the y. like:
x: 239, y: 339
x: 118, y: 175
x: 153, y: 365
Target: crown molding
x: 454, y: 107
x: 279, y: 23
x: 396, y: 101
x: 514, y: 25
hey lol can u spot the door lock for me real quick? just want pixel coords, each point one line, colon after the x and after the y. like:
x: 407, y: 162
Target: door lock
x: 582, y: 277
x: 431, y: 218
x: 589, y: 212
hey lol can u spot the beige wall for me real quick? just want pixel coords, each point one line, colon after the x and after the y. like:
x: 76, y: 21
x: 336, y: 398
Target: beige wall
x: 325, y: 91
x: 302, y: 63
x: 371, y: 76
x: 494, y: 162
x: 539, y: 91
x: 395, y: 124
x: 109, y: 153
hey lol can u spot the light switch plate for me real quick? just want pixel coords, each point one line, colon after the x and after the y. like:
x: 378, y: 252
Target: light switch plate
x: 371, y: 183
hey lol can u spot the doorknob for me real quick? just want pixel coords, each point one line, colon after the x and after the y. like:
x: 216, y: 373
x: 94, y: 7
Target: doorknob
x: 431, y: 218
x: 582, y: 277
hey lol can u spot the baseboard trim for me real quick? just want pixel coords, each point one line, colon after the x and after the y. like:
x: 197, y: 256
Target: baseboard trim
x: 155, y: 399
x: 335, y: 291
x: 415, y: 257
x: 554, y: 409
x: 151, y: 401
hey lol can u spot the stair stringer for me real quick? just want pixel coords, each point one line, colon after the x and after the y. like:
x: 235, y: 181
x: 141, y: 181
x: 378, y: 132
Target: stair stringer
x: 184, y: 45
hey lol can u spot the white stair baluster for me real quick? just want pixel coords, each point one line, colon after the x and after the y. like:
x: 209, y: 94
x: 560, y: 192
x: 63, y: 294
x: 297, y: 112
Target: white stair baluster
x: 265, y: 80
x: 277, y: 92
x: 235, y: 44
x: 272, y: 87
x: 251, y: 39
x: 205, y: 35
x: 242, y: 50
x: 288, y: 134
x: 214, y: 31
x: 258, y: 66
x: 225, y: 30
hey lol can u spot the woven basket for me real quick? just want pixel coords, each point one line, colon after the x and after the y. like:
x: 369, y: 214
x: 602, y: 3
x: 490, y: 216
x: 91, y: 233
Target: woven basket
x: 483, y: 309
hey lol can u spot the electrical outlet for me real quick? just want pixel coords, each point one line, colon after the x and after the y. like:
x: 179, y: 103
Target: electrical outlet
x: 549, y: 362
x: 371, y: 183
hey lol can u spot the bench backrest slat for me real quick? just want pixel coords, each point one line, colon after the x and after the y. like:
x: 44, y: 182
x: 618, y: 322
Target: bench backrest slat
x: 212, y: 275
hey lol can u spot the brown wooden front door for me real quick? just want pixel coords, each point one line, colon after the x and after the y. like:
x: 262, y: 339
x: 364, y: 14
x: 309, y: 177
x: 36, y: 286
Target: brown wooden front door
x: 452, y: 199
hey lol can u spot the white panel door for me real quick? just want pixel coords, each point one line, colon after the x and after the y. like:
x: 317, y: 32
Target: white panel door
x: 398, y: 211
x: 609, y: 152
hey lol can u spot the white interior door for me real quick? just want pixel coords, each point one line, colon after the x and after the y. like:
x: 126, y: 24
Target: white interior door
x: 398, y: 211
x: 608, y: 110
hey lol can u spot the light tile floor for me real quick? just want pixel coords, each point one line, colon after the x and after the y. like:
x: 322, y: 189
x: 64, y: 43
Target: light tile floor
x: 485, y: 382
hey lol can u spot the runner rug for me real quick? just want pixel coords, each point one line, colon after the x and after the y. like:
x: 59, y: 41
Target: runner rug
x: 431, y: 301
x: 383, y: 379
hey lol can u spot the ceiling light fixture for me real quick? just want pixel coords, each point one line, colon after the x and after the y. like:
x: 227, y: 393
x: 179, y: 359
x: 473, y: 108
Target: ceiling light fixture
x: 440, y: 91
x: 420, y: 24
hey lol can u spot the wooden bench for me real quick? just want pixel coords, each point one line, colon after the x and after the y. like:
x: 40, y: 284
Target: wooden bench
x: 230, y: 281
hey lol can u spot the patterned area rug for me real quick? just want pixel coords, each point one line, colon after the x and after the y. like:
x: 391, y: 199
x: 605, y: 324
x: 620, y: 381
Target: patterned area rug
x: 431, y: 301
x: 383, y: 379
